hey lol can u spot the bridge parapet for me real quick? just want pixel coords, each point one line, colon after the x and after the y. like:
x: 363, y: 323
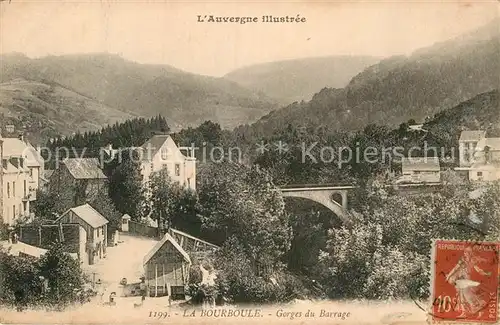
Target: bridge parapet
x: 324, y: 195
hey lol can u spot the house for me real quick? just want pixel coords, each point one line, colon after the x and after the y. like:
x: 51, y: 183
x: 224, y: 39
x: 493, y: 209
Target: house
x: 166, y: 269
x: 479, y: 156
x: 19, y: 178
x: 161, y: 151
x: 95, y: 226
x: 35, y: 163
x: 467, y: 146
x: 82, y: 176
x: 421, y: 169
x: 486, y: 160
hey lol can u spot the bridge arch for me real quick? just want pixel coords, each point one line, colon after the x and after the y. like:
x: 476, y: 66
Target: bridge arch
x: 324, y: 197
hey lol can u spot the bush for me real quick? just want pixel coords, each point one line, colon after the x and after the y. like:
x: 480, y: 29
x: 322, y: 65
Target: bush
x: 23, y: 279
x: 238, y: 281
x: 385, y: 254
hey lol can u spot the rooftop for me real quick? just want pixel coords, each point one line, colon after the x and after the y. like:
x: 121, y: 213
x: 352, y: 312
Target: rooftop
x: 155, y: 143
x: 14, y: 147
x: 492, y: 143
x: 166, y: 239
x: 88, y: 214
x: 421, y: 163
x: 475, y: 135
x: 84, y: 168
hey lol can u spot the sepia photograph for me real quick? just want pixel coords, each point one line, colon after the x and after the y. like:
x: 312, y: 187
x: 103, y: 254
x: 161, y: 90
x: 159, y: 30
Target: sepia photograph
x: 253, y: 162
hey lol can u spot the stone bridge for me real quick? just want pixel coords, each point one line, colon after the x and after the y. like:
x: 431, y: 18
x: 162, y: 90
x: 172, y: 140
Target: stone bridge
x: 332, y: 197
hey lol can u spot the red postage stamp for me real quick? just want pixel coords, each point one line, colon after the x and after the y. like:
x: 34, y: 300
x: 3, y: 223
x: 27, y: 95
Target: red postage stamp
x: 465, y: 281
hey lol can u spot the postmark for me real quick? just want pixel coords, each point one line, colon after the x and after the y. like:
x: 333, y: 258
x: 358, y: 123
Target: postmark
x: 464, y: 282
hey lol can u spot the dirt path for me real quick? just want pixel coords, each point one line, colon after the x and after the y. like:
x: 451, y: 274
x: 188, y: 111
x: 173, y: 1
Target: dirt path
x: 122, y: 261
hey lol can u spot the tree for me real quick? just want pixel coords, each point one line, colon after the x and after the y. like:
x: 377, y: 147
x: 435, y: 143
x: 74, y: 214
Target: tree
x: 125, y: 186
x: 20, y: 285
x: 23, y: 279
x: 174, y: 205
x: 395, y: 264
x: 242, y: 202
x: 163, y: 194
x: 238, y: 282
x: 44, y: 206
x: 49, y: 204
x: 105, y: 206
x: 63, y: 273
x: 185, y: 212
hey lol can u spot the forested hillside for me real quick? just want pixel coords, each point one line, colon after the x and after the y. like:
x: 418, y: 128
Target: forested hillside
x: 401, y: 88
x: 47, y: 109
x: 300, y: 79
x: 143, y: 90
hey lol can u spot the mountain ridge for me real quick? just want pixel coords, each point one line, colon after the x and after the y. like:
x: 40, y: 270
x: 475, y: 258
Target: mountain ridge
x: 298, y: 79
x: 400, y: 88
x: 186, y: 99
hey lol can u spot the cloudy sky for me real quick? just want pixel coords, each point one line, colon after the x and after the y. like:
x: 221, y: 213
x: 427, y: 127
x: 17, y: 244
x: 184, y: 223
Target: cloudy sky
x: 168, y: 33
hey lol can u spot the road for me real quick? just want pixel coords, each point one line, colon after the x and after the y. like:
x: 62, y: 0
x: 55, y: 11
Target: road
x: 122, y: 261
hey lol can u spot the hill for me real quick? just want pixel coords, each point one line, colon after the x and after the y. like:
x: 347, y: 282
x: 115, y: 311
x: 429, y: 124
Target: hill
x: 298, y: 79
x: 479, y: 113
x: 47, y: 109
x: 401, y: 88
x: 185, y: 99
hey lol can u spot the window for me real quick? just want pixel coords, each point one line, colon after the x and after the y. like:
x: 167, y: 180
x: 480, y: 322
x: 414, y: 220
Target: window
x: 14, y: 189
x: 31, y: 172
x: 8, y: 189
x: 24, y: 189
x: 102, y: 231
x: 479, y: 174
x: 177, y: 170
x: 164, y: 153
x: 13, y: 212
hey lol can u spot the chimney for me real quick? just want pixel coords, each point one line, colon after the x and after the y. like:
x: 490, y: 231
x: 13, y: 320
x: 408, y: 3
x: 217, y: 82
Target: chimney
x: 21, y: 137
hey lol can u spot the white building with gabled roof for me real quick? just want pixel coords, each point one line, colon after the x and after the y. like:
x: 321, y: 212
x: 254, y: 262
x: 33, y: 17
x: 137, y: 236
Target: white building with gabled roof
x: 420, y: 170
x: 479, y: 156
x: 467, y: 146
x: 159, y: 152
x: 21, y: 165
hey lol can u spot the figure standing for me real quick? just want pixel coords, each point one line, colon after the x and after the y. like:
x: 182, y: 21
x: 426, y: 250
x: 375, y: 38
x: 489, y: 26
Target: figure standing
x: 470, y: 296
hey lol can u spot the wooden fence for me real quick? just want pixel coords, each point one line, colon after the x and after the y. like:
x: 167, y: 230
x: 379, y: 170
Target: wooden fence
x: 141, y: 229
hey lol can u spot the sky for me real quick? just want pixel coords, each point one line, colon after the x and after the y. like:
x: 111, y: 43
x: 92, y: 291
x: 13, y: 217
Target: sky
x: 169, y: 33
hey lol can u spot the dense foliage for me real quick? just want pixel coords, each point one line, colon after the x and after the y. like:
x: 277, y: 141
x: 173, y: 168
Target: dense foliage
x: 125, y: 183
x: 242, y: 201
x: 371, y: 260
x: 171, y: 204
x: 131, y: 133
x: 53, y: 280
